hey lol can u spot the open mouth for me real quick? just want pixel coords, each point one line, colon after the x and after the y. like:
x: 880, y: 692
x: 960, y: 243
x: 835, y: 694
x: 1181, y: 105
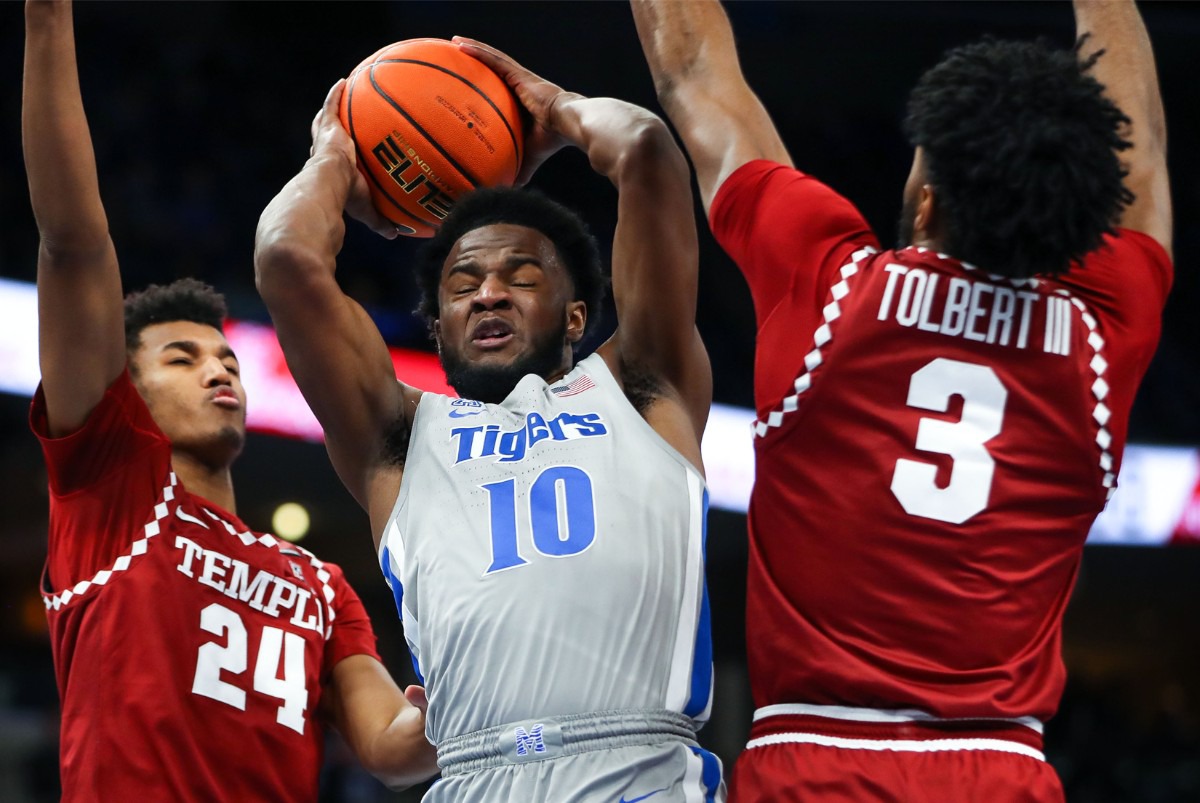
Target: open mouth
x: 492, y: 333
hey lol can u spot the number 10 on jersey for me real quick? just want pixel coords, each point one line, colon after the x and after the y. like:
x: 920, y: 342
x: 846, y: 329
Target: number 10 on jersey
x: 562, y: 516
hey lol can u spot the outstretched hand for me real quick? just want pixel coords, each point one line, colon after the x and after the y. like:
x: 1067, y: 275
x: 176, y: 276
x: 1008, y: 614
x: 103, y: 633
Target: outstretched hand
x: 539, y: 96
x: 330, y: 138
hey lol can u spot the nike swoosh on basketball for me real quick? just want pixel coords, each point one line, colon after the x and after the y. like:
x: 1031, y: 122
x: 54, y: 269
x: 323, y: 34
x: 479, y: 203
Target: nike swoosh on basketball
x: 643, y: 797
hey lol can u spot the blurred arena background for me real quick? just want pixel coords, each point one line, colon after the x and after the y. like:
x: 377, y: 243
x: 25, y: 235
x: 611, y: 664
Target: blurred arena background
x: 201, y: 111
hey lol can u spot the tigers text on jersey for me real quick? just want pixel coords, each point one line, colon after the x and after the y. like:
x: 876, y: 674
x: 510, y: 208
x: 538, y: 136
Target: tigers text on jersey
x: 932, y: 446
x: 546, y: 555
x: 189, y: 650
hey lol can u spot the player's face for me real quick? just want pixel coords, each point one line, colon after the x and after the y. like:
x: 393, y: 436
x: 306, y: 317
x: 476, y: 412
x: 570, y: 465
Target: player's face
x: 190, y: 380
x: 506, y: 309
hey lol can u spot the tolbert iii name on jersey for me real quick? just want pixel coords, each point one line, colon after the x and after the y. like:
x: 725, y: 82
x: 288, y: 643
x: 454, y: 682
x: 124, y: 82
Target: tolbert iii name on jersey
x: 975, y: 310
x: 259, y: 589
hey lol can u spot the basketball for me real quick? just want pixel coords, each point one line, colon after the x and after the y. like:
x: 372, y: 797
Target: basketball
x: 430, y: 123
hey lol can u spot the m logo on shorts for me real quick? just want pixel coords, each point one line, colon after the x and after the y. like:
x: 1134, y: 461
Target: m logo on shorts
x: 529, y: 740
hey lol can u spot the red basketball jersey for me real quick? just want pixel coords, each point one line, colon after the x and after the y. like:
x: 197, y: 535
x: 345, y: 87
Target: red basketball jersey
x: 190, y: 652
x: 932, y: 446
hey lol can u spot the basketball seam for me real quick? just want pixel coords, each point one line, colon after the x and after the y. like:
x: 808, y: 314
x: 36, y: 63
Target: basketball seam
x: 503, y: 117
x: 432, y: 141
x: 362, y: 157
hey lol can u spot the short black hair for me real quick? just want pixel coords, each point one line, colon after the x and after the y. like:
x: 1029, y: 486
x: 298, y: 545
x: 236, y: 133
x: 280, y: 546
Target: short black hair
x: 521, y: 207
x: 1021, y: 146
x: 181, y: 300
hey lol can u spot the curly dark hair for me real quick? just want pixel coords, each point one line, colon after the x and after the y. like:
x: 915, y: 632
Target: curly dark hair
x: 575, y: 244
x: 181, y: 300
x: 1021, y: 147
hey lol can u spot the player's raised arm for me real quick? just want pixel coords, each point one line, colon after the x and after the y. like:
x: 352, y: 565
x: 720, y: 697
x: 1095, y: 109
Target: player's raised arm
x: 81, y: 335
x: 1131, y: 81
x: 655, y: 252
x: 693, y: 59
x: 333, y: 348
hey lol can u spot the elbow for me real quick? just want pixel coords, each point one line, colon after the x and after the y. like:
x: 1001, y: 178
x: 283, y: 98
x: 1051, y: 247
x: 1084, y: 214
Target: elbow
x: 286, y: 268
x: 649, y: 149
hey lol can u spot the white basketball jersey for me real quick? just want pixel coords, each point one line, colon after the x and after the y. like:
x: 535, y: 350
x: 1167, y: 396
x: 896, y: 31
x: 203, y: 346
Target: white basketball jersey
x: 547, y: 557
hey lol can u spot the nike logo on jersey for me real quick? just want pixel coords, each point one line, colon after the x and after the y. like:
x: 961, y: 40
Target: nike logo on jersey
x: 643, y: 797
x: 464, y: 413
x: 512, y: 445
x: 179, y: 512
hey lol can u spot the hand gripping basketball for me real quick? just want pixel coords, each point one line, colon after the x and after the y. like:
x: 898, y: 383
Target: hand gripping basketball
x: 330, y: 138
x: 539, y: 97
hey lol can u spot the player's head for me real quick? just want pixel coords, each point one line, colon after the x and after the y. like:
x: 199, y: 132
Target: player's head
x: 1016, y: 167
x: 509, y: 285
x: 183, y: 367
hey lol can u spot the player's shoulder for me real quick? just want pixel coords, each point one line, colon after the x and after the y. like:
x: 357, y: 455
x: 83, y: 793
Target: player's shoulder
x: 1130, y: 270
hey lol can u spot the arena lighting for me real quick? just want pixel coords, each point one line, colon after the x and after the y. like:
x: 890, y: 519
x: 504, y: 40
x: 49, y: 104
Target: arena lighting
x: 1158, y: 501
x: 290, y: 521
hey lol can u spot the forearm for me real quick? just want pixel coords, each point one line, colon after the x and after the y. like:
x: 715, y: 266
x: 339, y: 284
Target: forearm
x: 623, y: 142
x: 301, y: 230
x: 383, y: 729
x: 401, y: 756
x: 59, y: 160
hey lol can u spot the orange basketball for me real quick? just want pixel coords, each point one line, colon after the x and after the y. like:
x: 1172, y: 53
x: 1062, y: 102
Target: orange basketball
x: 430, y: 123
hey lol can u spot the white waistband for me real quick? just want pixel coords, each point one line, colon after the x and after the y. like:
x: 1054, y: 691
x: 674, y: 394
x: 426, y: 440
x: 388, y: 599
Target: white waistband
x: 881, y: 715
x: 898, y: 745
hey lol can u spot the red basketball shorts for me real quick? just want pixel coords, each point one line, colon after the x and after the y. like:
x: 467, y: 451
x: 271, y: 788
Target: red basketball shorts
x: 860, y: 755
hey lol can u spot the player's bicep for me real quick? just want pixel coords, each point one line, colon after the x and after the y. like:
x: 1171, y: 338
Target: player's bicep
x: 340, y: 363
x: 723, y: 127
x: 81, y: 332
x: 1150, y: 212
x: 655, y: 271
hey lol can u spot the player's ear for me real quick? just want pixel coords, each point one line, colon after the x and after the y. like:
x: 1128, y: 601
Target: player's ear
x: 926, y: 220
x: 435, y: 330
x: 576, y: 313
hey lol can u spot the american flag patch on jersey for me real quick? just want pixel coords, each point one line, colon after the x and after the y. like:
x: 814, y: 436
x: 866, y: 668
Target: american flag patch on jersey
x: 574, y: 387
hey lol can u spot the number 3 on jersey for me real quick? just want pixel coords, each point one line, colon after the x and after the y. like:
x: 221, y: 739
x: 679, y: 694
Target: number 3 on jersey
x: 914, y: 482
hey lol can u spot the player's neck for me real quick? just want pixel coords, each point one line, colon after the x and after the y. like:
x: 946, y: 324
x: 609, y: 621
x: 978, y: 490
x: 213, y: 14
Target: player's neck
x: 201, y: 479
x: 923, y: 240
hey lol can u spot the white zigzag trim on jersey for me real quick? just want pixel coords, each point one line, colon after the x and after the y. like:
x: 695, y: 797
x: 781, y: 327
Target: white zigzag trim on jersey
x: 898, y: 745
x: 993, y: 277
x: 1100, y: 413
x: 122, y: 563
x: 821, y: 337
x: 270, y: 541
